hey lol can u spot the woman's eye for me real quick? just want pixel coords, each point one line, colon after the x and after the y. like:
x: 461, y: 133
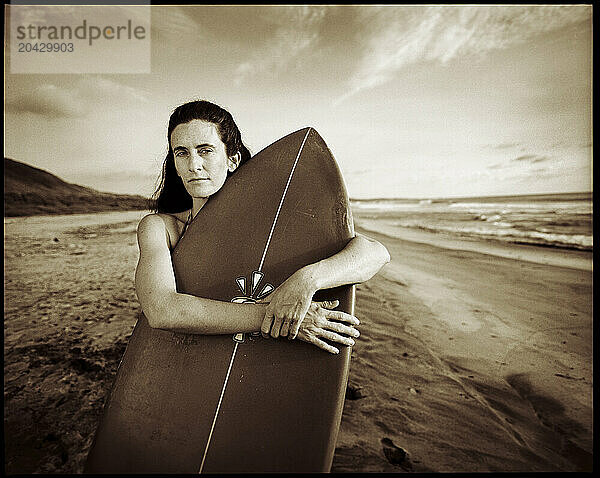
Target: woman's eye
x: 205, y: 151
x: 179, y: 153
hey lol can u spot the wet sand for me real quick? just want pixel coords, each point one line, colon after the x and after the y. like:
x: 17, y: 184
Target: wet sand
x: 468, y: 361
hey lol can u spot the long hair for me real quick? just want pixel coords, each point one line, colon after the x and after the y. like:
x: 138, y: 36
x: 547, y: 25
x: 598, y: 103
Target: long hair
x: 171, y: 195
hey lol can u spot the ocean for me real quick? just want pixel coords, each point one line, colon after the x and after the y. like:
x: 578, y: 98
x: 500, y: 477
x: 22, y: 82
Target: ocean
x: 553, y: 220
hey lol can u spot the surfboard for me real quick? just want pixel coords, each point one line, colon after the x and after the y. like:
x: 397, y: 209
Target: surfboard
x: 186, y: 403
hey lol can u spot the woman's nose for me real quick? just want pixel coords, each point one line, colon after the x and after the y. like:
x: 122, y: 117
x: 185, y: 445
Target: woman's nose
x: 196, y: 162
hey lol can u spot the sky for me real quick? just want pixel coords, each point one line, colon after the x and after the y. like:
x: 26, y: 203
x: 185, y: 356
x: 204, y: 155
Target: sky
x: 413, y: 101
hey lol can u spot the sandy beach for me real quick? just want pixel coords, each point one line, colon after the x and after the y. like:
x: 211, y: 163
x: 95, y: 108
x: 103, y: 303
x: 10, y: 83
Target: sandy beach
x: 474, y: 356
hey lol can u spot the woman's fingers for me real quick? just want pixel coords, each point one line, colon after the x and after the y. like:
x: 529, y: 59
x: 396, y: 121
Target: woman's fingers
x: 329, y: 335
x: 336, y: 314
x: 320, y: 325
x: 341, y: 328
x: 276, y: 327
x: 343, y: 316
x: 265, y: 328
x: 329, y: 304
x: 294, y: 329
x: 323, y: 345
x: 279, y: 327
x: 285, y: 328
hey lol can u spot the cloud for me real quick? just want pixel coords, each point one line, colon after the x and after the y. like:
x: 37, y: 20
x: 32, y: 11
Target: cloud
x: 294, y: 30
x: 101, y: 89
x: 76, y: 101
x: 174, y: 24
x: 531, y: 158
x: 48, y: 100
x: 399, y: 36
x: 497, y: 166
x: 505, y: 145
x: 525, y: 157
x: 522, y: 159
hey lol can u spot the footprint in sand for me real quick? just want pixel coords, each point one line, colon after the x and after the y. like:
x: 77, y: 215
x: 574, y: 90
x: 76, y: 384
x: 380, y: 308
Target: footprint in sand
x: 354, y: 392
x: 395, y: 455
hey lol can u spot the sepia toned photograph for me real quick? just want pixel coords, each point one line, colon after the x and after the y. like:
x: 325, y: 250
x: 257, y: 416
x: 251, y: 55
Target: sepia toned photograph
x: 297, y: 238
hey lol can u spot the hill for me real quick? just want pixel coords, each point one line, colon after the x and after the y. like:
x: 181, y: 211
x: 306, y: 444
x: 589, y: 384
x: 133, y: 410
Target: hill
x: 30, y: 191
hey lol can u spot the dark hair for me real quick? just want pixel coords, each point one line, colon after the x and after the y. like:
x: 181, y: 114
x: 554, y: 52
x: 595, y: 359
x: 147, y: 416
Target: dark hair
x: 171, y: 195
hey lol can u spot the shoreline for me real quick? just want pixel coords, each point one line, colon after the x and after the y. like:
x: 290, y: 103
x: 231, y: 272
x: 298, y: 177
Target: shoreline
x: 541, y: 254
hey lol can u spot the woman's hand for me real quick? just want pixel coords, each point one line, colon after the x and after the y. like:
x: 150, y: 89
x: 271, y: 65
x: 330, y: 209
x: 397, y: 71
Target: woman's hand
x: 322, y: 323
x: 288, y: 304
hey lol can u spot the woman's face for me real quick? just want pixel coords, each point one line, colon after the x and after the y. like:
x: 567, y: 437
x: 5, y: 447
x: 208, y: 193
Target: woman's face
x: 200, y: 158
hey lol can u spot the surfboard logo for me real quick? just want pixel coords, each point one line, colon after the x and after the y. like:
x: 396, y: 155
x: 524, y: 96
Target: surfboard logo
x: 251, y: 294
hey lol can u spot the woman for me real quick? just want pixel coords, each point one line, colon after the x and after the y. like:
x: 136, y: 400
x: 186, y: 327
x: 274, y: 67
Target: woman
x: 205, y: 147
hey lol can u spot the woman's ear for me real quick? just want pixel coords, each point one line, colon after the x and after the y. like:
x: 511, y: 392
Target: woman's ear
x: 234, y: 161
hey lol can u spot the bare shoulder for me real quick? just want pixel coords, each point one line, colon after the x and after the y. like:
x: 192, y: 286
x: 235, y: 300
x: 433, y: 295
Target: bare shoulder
x: 151, y: 223
x: 152, y: 229
x: 159, y: 227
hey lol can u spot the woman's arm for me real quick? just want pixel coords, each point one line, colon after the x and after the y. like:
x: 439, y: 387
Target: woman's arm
x: 360, y: 260
x: 165, y: 308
